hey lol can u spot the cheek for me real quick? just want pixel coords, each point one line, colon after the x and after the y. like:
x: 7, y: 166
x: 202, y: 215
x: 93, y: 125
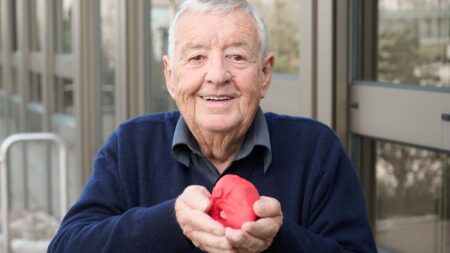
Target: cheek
x: 251, y: 89
x: 186, y: 84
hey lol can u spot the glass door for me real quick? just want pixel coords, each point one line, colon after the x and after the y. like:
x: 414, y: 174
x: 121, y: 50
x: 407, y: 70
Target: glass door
x: 401, y: 106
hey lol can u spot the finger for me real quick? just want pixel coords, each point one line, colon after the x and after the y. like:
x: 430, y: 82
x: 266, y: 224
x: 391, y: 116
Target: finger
x: 264, y: 228
x: 267, y: 207
x: 214, y: 250
x: 210, y: 242
x: 196, y: 197
x: 244, y: 242
x: 196, y: 220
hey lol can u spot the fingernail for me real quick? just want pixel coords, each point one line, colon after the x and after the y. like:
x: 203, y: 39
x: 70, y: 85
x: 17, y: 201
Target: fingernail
x: 261, y: 207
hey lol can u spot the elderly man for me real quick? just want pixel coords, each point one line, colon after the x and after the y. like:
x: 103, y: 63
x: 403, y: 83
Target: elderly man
x: 151, y: 182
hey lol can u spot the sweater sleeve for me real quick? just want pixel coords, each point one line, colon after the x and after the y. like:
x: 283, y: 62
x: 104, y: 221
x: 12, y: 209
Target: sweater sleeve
x: 102, y: 220
x: 337, y: 217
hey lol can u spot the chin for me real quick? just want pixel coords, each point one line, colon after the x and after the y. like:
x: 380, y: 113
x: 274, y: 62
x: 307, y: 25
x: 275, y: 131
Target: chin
x: 219, y: 126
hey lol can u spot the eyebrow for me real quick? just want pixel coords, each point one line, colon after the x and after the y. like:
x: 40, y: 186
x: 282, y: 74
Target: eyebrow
x: 199, y: 45
x: 239, y: 43
x: 191, y: 46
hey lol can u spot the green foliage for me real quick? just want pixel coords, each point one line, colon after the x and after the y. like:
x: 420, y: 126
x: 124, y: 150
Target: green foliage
x: 398, y: 57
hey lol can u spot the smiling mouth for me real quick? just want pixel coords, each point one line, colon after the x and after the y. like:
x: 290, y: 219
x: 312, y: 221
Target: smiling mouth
x: 214, y: 98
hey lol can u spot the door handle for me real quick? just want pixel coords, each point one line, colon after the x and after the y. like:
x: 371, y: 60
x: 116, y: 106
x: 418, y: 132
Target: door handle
x: 445, y: 117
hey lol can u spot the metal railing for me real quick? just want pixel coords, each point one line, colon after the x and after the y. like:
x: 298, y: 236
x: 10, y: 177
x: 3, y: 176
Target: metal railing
x: 4, y: 174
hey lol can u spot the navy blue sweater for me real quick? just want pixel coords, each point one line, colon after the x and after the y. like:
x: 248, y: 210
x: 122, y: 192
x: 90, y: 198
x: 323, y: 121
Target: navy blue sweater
x: 127, y: 204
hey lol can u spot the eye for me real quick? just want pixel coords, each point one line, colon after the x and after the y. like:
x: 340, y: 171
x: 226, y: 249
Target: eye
x: 197, y: 58
x: 237, y: 58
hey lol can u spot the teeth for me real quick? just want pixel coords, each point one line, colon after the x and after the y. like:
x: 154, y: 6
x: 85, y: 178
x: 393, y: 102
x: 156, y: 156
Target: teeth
x: 216, y: 98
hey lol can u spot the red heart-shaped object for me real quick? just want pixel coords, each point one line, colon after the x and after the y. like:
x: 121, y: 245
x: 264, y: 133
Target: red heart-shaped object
x: 232, y: 201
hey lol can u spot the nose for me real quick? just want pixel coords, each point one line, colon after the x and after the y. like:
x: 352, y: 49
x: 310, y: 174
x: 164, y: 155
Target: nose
x: 217, y: 72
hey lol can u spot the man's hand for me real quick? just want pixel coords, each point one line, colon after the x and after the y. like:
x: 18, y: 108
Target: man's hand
x: 191, y: 209
x: 257, y: 236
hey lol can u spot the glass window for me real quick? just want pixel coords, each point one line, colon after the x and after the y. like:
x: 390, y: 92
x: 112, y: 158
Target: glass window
x: 108, y: 29
x: 35, y: 107
x: 15, y: 82
x: 63, y: 25
x: 1, y: 77
x: 1, y: 43
x: 162, y: 13
x: 281, y: 17
x: 64, y: 96
x: 413, y: 199
x: 14, y: 22
x: 36, y: 13
x: 414, y: 41
x: 2, y: 95
x: 64, y: 125
x: 35, y: 89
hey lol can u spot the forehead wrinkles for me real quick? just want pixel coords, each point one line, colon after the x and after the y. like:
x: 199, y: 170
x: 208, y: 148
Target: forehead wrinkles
x: 235, y: 29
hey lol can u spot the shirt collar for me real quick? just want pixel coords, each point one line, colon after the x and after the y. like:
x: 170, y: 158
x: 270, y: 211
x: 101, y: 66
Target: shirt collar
x: 257, y: 135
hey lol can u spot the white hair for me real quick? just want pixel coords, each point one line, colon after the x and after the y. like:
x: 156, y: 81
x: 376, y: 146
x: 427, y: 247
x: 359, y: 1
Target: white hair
x: 221, y: 7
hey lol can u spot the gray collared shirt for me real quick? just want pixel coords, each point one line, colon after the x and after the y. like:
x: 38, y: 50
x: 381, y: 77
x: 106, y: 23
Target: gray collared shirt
x: 185, y: 148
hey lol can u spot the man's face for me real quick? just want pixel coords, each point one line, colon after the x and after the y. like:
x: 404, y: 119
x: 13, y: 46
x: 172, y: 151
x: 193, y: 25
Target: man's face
x: 217, y: 77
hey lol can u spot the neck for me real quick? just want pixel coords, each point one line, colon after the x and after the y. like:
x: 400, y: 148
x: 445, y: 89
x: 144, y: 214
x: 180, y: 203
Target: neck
x: 219, y: 149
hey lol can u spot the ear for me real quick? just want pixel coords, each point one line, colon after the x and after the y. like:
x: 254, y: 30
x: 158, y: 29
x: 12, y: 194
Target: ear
x: 267, y: 68
x: 168, y: 75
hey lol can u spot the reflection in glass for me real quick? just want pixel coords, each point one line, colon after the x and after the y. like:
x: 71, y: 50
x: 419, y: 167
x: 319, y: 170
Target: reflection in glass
x: 35, y: 107
x: 64, y: 126
x: 281, y: 17
x: 36, y: 12
x: 106, y: 102
x: 1, y: 77
x: 162, y: 13
x: 63, y: 25
x: 3, y: 126
x: 15, y: 82
x: 414, y: 42
x: 35, y: 89
x: 63, y: 96
x: 413, y: 199
x: 14, y: 22
x: 1, y: 43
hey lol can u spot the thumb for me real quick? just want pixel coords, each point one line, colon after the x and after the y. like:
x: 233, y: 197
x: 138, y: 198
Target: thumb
x: 267, y: 207
x: 197, y: 197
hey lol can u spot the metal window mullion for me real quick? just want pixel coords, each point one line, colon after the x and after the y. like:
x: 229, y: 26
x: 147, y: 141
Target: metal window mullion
x: 6, y: 32
x: 342, y: 35
x: 325, y: 62
x: 23, y: 78
x: 83, y: 81
x: 97, y: 82
x: 132, y: 58
x: 363, y: 57
x: 307, y: 71
x: 58, y: 22
x: 121, y: 73
x: 134, y: 20
x: 47, y: 89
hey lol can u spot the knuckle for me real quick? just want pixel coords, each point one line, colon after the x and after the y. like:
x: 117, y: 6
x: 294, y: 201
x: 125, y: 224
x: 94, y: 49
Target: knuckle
x: 277, y: 205
x: 187, y: 231
x: 189, y: 189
